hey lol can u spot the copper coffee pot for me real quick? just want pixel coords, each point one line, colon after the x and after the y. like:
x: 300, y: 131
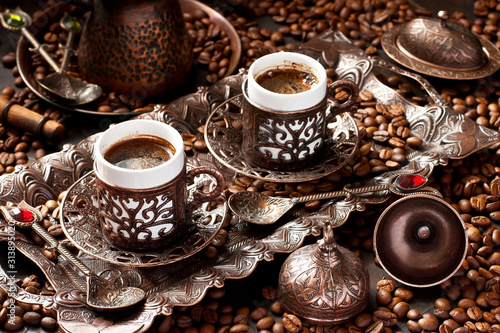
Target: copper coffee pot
x: 138, y: 47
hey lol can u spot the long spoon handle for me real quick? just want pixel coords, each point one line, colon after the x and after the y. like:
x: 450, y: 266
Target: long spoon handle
x: 341, y: 193
x: 68, y: 50
x: 40, y: 49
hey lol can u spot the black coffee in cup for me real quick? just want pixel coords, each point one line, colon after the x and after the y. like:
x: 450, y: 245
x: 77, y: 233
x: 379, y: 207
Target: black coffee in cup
x: 286, y: 80
x: 138, y: 152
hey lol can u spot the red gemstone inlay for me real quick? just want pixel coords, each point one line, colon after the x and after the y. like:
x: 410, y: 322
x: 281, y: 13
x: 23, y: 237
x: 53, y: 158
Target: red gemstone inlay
x: 21, y: 215
x: 409, y: 182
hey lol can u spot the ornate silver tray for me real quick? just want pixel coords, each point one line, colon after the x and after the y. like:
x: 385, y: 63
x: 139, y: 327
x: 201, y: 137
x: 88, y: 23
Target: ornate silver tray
x: 80, y: 222
x: 225, y: 144
x: 446, y: 135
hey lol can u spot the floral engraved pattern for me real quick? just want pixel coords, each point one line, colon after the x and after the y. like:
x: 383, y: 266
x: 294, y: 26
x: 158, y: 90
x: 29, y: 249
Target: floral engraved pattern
x: 142, y: 218
x: 291, y: 141
x: 327, y: 286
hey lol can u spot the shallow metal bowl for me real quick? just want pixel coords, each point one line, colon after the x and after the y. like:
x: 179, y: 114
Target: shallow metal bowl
x: 420, y: 240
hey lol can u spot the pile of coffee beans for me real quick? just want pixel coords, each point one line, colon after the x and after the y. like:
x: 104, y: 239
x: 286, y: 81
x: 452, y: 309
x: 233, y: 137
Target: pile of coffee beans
x: 15, y: 315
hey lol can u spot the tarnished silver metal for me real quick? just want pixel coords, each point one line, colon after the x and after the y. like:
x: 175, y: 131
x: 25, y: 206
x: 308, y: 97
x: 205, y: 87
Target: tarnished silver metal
x: 101, y: 294
x: 324, y: 283
x: 441, y: 48
x: 431, y: 240
x: 224, y: 137
x: 258, y: 208
x: 81, y: 222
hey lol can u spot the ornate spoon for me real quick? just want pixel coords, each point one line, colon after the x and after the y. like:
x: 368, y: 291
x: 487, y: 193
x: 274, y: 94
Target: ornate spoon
x: 60, y: 85
x: 259, y: 208
x: 101, y: 294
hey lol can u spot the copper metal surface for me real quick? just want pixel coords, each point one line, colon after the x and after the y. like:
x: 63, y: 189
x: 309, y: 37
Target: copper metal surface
x: 149, y: 219
x: 134, y: 50
x: 187, y: 281
x: 441, y: 48
x: 55, y: 12
x: 324, y: 283
x: 420, y: 240
x: 81, y: 222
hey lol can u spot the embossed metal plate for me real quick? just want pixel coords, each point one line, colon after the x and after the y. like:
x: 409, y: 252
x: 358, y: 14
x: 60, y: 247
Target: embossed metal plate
x: 422, y: 31
x: 223, y: 135
x: 80, y: 222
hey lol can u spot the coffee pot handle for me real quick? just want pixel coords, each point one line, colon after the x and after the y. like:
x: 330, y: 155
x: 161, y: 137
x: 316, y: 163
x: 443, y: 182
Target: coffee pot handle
x: 347, y: 105
x: 214, y: 194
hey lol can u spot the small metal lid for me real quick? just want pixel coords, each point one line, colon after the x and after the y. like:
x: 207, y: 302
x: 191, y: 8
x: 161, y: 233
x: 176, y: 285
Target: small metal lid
x: 420, y: 240
x: 324, y: 283
x: 441, y: 48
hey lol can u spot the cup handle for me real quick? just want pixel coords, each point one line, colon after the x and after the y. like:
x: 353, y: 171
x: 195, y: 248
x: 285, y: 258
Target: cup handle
x: 347, y: 105
x: 215, y: 194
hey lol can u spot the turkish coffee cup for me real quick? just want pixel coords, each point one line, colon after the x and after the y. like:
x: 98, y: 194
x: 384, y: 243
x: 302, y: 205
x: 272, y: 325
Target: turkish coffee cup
x: 287, y: 105
x: 141, y: 181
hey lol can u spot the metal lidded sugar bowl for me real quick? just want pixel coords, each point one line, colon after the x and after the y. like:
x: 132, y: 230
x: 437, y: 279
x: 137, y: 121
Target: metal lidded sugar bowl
x: 442, y: 48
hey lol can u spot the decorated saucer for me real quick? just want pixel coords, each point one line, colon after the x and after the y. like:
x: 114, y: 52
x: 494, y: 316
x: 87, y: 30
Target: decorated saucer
x: 80, y: 223
x: 223, y: 136
x: 442, y: 48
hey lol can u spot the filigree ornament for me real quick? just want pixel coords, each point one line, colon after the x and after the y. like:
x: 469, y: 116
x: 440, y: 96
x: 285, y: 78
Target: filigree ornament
x: 225, y: 140
x: 80, y: 219
x: 324, y: 283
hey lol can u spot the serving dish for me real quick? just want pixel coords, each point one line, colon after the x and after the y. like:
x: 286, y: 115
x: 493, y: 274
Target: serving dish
x: 446, y: 136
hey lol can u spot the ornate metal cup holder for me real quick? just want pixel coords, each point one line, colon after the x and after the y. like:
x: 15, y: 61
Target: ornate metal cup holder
x: 80, y: 222
x: 223, y: 135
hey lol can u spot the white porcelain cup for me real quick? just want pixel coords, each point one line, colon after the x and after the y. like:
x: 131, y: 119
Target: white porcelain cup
x: 139, y: 179
x: 286, y: 102
x: 147, y: 208
x: 287, y: 131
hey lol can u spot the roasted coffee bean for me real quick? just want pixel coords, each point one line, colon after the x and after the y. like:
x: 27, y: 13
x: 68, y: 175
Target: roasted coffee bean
x: 291, y: 323
x: 386, y: 317
x: 401, y: 309
x: 383, y: 297
x: 265, y: 323
x: 403, y: 293
x: 388, y: 285
x: 363, y: 320
x: 428, y: 322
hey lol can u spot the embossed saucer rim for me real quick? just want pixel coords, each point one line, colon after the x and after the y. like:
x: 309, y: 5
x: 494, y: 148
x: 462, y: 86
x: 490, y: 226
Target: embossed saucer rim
x: 301, y: 175
x: 80, y: 242
x: 389, y: 45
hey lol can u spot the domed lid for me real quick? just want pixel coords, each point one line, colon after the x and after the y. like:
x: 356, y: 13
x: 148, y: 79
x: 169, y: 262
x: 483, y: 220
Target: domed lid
x: 441, y: 48
x: 324, y: 283
x: 441, y: 43
x: 431, y: 240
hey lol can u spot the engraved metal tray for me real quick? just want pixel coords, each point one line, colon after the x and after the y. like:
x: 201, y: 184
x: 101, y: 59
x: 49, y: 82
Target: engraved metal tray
x: 446, y: 135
